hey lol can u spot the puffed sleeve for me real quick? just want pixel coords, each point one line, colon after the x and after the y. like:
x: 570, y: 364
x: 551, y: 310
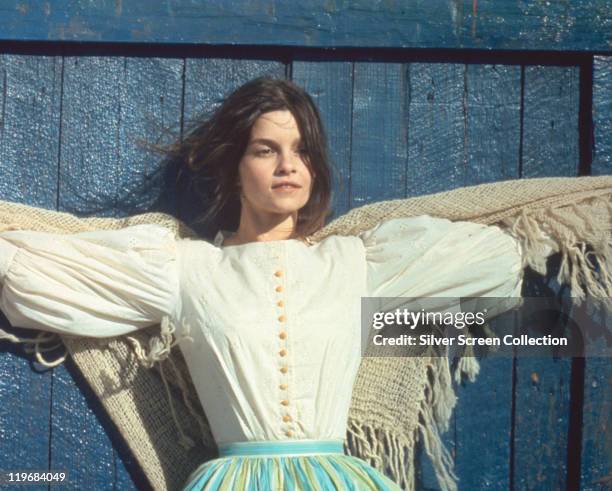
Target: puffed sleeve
x: 424, y: 256
x: 99, y: 284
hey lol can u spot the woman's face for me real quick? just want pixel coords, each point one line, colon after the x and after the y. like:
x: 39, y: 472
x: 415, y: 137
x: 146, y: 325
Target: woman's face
x: 274, y: 155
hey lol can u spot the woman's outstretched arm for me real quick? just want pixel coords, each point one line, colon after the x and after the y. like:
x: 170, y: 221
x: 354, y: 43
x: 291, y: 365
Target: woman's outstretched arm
x: 100, y: 284
x: 425, y: 256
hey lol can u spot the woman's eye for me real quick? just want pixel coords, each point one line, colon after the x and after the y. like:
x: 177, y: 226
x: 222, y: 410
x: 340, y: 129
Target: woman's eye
x: 269, y: 151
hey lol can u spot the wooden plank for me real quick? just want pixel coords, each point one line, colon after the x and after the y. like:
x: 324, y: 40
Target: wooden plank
x: 542, y: 401
x: 490, y: 149
x: 207, y: 82
x: 24, y: 413
x: 331, y: 86
x: 30, y: 89
x: 492, y: 104
x: 436, y: 128
x: 542, y: 395
x: 465, y: 129
x: 488, y: 24
x: 89, y: 169
x: 464, y: 124
x: 436, y: 135
x: 596, y: 444
x: 379, y: 133
x: 482, y: 424
x: 151, y: 104
x: 29, y: 128
x: 602, y: 110
x: 550, y: 123
x: 596, y: 461
x: 108, y: 104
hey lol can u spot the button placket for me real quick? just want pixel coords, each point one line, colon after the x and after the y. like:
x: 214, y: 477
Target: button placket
x: 282, y: 353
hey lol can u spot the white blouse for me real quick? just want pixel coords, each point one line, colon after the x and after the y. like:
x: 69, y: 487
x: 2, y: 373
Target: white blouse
x: 276, y: 325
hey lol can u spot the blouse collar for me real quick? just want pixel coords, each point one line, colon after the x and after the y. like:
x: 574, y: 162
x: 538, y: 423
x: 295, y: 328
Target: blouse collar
x: 223, y: 234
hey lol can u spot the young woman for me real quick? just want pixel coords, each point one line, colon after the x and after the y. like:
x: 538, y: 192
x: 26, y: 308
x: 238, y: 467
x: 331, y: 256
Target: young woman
x: 274, y: 318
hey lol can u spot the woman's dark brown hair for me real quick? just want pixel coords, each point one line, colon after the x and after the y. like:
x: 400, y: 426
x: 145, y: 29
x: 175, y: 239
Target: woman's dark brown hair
x: 212, y: 150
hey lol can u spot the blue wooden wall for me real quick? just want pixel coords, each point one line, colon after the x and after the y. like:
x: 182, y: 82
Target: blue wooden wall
x: 401, y: 122
x: 477, y: 24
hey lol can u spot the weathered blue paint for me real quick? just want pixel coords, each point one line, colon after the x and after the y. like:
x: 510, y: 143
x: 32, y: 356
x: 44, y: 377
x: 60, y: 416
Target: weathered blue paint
x: 484, y: 24
x: 30, y: 128
x: 464, y: 129
x: 209, y: 80
x: 542, y: 398
x: 102, y: 166
x: 447, y: 136
x: 542, y: 394
x: 435, y: 126
x: 30, y: 90
x: 25, y: 392
x: 488, y: 149
x: 78, y: 441
x: 378, y: 134
x: 550, y: 122
x: 74, y: 424
x: 602, y: 111
x: 595, y: 461
x: 482, y: 423
x: 491, y: 102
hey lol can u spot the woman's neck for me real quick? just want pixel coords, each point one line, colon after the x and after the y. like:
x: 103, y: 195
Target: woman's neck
x: 251, y: 231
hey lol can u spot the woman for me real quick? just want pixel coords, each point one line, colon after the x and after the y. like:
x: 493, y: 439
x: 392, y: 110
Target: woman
x: 269, y: 322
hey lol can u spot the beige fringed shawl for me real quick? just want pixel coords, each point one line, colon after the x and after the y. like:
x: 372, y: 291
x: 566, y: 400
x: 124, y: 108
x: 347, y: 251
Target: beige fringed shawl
x: 396, y: 401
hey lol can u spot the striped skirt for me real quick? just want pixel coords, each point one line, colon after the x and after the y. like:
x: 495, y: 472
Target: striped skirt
x: 300, y: 465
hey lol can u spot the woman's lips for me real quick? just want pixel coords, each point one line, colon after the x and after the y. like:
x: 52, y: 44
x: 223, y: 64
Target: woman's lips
x: 286, y: 188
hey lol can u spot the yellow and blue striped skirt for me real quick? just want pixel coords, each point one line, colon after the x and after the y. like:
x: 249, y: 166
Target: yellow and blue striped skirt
x: 295, y: 465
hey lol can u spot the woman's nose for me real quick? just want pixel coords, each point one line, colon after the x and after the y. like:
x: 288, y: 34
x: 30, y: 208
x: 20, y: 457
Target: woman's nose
x: 288, y: 161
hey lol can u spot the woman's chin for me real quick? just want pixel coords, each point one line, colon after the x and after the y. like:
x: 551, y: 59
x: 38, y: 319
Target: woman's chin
x: 287, y: 207
x: 286, y: 210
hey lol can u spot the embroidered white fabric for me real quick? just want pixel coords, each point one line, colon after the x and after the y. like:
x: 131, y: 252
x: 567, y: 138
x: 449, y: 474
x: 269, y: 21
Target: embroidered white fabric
x: 275, y: 325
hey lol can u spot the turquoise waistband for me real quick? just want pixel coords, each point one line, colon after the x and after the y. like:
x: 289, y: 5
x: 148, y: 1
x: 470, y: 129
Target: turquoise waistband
x: 289, y: 447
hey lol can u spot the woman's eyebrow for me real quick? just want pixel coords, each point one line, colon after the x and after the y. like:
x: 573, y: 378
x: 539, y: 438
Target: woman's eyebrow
x: 267, y: 141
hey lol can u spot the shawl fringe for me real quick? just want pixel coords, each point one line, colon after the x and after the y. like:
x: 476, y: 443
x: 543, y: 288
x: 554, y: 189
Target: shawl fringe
x: 586, y: 256
x: 586, y: 249
x: 392, y: 451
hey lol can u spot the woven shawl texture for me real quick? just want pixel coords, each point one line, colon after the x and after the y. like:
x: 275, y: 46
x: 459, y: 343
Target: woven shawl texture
x: 144, y: 385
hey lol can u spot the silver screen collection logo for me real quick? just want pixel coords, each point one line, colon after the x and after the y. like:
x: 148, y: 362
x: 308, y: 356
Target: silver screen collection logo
x: 532, y: 326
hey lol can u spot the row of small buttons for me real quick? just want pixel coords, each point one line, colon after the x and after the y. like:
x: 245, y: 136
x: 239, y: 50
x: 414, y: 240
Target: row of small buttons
x: 282, y: 353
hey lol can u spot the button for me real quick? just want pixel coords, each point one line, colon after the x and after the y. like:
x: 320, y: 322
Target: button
x: 283, y: 352
x: 278, y: 274
x: 284, y: 369
x: 283, y: 386
x: 281, y: 318
x: 285, y: 402
x: 289, y: 433
x: 286, y: 418
x: 280, y: 303
x: 279, y: 288
x: 282, y: 335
